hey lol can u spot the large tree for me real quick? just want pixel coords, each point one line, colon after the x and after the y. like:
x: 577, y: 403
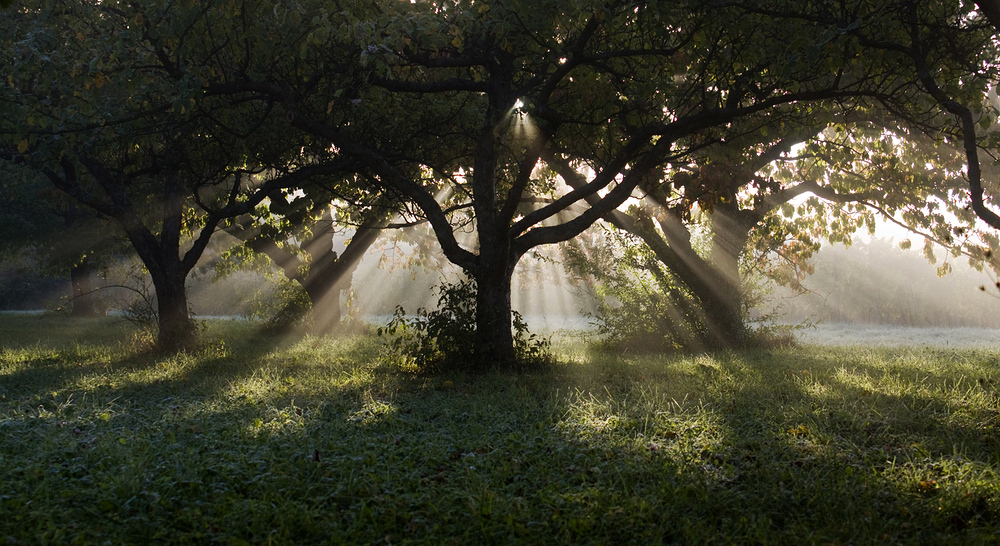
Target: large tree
x: 85, y: 109
x: 752, y: 197
x: 856, y: 161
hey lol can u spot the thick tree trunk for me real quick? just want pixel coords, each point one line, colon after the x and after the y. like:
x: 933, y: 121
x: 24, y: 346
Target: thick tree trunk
x: 729, y: 239
x: 323, y: 286
x: 725, y: 319
x: 83, y: 298
x: 495, y: 340
x: 177, y: 331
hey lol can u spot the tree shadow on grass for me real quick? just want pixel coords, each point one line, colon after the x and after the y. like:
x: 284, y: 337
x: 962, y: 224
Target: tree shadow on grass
x: 312, y: 441
x: 113, y: 356
x: 835, y: 440
x: 747, y: 449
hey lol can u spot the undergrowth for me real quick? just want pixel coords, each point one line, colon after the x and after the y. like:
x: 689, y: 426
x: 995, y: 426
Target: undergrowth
x: 316, y: 440
x: 444, y: 339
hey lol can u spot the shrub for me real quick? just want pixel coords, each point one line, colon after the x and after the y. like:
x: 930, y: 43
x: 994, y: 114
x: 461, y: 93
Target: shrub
x: 282, y: 306
x: 444, y: 339
x: 642, y: 307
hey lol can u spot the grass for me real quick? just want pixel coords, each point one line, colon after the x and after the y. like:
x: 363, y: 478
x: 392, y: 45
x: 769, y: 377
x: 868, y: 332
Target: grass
x: 261, y: 440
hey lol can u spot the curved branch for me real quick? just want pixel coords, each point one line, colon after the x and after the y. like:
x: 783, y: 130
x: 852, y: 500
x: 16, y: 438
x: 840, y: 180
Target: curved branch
x: 391, y: 177
x: 974, y: 172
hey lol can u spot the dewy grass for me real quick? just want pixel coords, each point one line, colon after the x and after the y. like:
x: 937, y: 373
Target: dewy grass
x: 255, y: 439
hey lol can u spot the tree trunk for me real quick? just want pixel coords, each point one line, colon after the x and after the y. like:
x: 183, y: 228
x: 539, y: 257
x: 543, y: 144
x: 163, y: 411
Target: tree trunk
x: 330, y: 274
x: 176, y: 329
x: 729, y: 238
x: 718, y: 299
x: 495, y: 341
x: 323, y: 288
x: 83, y: 298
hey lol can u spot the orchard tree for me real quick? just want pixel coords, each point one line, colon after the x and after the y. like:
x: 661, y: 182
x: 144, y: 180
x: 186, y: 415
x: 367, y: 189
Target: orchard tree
x: 86, y: 110
x: 852, y: 163
x: 766, y: 208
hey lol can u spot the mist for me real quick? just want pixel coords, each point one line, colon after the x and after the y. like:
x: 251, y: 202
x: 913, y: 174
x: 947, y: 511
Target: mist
x: 877, y: 283
x: 853, y: 290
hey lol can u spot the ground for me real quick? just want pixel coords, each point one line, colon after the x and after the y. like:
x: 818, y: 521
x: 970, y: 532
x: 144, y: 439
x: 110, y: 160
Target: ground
x: 254, y: 439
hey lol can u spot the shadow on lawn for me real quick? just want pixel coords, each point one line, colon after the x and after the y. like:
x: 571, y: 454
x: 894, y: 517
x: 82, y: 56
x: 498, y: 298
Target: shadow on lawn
x: 312, y: 439
x: 763, y: 444
x: 829, y: 441
x: 738, y: 446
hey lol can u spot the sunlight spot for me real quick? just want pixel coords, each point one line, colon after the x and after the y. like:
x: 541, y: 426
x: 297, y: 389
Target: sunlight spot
x: 372, y: 412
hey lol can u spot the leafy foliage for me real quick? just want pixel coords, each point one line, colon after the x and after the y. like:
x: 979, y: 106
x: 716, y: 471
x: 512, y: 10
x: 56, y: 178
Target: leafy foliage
x: 281, y: 306
x: 640, y: 306
x: 643, y: 308
x: 444, y: 339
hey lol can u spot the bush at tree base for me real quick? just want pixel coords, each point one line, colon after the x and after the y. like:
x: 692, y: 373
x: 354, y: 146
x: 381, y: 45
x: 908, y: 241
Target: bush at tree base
x: 444, y: 339
x: 281, y: 306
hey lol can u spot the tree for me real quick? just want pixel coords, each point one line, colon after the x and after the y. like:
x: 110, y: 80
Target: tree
x: 851, y: 167
x: 168, y: 169
x: 743, y: 190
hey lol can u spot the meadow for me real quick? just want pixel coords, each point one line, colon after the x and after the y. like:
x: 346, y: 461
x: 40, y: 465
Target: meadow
x: 256, y: 439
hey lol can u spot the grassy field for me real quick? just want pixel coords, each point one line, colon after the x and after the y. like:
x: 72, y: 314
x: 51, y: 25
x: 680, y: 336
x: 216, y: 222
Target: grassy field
x: 312, y: 440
